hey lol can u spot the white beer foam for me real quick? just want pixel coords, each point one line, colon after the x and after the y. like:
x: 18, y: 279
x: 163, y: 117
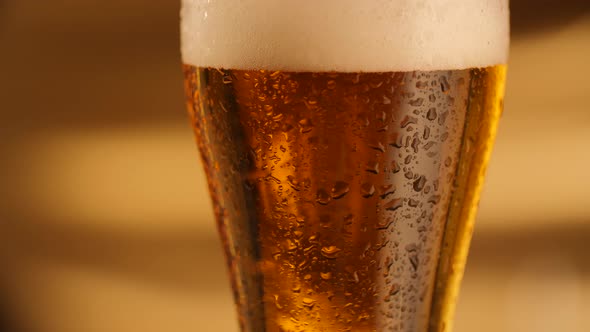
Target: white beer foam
x: 345, y: 35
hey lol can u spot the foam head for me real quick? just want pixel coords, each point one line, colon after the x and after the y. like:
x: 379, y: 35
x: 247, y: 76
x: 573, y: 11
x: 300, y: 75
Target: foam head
x: 345, y: 35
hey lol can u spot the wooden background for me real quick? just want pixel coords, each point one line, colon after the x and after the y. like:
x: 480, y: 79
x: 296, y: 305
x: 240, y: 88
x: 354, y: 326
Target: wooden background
x: 105, y: 222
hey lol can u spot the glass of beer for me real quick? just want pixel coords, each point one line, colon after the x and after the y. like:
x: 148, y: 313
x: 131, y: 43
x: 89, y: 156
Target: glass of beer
x: 345, y: 144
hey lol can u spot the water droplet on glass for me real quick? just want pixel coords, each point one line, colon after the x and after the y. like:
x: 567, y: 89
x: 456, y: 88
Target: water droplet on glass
x: 448, y: 161
x: 395, y: 288
x: 415, y: 143
x: 377, y: 146
x: 408, y: 120
x: 289, y: 245
x: 277, y: 304
x: 311, y: 103
x: 372, y: 167
x: 305, y: 125
x: 419, y: 183
x: 386, y: 190
x: 293, y: 183
x: 348, y: 219
x: 380, y: 116
x: 417, y: 102
x: 408, y: 159
x: 367, y: 190
x: 429, y: 145
x: 426, y: 134
x: 308, y: 302
x: 384, y: 224
x: 395, y: 167
x: 431, y: 114
x: 331, y: 85
x: 394, y: 204
x: 323, y: 197
x: 326, y: 275
x: 412, y: 247
x: 444, y: 84
x: 443, y: 118
x: 330, y: 251
x: 340, y: 189
x: 434, y: 199
x: 414, y: 261
x: 421, y: 85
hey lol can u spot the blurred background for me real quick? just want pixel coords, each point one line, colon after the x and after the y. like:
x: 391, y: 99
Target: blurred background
x: 105, y: 220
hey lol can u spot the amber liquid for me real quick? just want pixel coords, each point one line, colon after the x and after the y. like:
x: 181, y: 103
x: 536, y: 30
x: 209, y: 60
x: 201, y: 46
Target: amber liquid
x: 345, y: 201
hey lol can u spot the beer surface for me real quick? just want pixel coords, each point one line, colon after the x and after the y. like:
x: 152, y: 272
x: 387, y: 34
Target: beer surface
x: 335, y: 193
x: 345, y: 35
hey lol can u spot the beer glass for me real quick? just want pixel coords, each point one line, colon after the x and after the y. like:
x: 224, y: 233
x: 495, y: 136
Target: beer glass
x: 345, y: 144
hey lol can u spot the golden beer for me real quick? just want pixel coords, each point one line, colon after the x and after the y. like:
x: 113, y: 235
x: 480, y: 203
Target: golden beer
x: 344, y: 199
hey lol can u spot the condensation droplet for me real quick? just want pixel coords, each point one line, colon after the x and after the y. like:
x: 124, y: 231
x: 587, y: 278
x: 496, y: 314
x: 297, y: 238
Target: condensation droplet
x: 293, y: 183
x: 443, y: 118
x: 413, y: 261
x: 384, y: 225
x: 394, y: 204
x: 408, y: 159
x: 326, y: 275
x: 289, y: 245
x: 372, y: 167
x: 331, y: 85
x: 348, y: 219
x: 448, y: 161
x: 330, y: 251
x: 367, y: 190
x: 417, y: 102
x: 308, y: 302
x: 428, y: 145
x: 386, y: 190
x: 340, y: 189
x: 377, y: 146
x: 426, y: 134
x: 419, y: 183
x: 408, y: 120
x: 411, y: 247
x: 323, y: 197
x: 415, y: 144
x: 305, y: 125
x: 395, y: 167
x: 431, y: 114
x: 444, y: 84
x: 277, y: 304
x: 395, y: 288
x: 398, y: 140
x: 434, y: 199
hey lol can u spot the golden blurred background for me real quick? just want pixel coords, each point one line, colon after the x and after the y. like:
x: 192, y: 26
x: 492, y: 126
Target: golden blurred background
x: 105, y: 220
